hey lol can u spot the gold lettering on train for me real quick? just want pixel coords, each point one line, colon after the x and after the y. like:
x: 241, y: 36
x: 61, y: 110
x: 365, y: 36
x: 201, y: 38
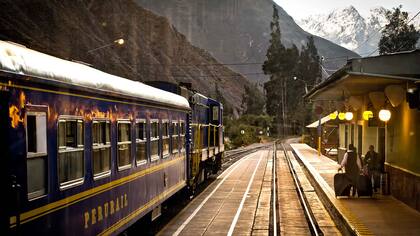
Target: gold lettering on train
x: 111, y: 205
x: 100, y: 217
x: 103, y: 211
x: 86, y: 219
x: 106, y: 209
x: 93, y: 221
x: 117, y: 205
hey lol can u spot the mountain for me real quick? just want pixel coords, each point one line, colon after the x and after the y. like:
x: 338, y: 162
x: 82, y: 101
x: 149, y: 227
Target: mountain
x: 346, y: 27
x: 153, y: 48
x: 237, y: 32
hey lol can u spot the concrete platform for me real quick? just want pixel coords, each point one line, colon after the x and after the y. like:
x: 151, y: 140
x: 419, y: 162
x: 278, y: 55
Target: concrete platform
x: 379, y: 215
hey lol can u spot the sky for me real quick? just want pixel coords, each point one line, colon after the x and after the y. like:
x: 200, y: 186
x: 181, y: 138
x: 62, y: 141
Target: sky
x: 299, y: 9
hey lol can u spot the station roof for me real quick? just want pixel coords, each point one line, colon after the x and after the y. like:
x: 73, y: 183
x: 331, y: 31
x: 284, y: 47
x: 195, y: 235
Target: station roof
x: 362, y: 75
x: 315, y: 124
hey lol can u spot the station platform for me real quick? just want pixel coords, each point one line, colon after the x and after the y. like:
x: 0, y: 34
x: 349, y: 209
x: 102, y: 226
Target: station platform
x: 379, y: 215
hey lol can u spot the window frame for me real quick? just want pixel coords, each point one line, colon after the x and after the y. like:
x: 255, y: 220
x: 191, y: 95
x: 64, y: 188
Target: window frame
x: 106, y: 145
x: 166, y: 137
x: 144, y: 140
x: 154, y: 158
x: 182, y: 134
x: 177, y: 130
x: 33, y: 110
x: 64, y: 149
x: 129, y: 165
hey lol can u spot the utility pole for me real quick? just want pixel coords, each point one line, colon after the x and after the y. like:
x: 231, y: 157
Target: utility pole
x: 283, y: 106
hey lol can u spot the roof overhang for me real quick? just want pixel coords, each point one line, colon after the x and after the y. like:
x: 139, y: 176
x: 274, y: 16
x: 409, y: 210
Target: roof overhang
x: 363, y: 75
x: 315, y: 124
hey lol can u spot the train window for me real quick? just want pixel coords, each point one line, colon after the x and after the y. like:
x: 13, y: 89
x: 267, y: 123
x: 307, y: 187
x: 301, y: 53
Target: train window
x: 154, y: 140
x: 174, y: 137
x: 36, y: 162
x: 70, y: 150
x: 165, y: 138
x: 141, y: 151
x: 182, y: 135
x: 215, y: 112
x: 101, y: 133
x: 124, y: 144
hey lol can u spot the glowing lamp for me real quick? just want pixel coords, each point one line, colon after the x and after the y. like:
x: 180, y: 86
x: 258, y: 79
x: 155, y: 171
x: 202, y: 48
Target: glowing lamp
x: 367, y: 115
x: 333, y: 116
x: 395, y: 94
x: 349, y: 115
x: 341, y: 116
x: 384, y: 115
x: 119, y: 41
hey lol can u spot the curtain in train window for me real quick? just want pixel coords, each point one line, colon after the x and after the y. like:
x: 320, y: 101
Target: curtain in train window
x: 154, y: 140
x: 124, y: 143
x: 141, y: 151
x: 165, y: 139
x: 101, y: 133
x: 36, y: 162
x: 174, y: 137
x: 182, y: 135
x: 70, y: 150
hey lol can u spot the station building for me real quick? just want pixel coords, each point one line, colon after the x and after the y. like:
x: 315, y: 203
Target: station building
x: 357, y: 93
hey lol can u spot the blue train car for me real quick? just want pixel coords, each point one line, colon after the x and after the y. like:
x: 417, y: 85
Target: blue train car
x: 84, y: 152
x: 206, y: 129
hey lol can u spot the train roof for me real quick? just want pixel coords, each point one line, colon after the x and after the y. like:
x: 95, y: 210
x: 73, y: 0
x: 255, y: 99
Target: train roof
x: 21, y: 60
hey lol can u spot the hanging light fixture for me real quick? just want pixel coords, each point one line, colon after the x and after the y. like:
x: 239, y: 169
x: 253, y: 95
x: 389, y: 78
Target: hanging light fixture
x: 356, y: 102
x: 341, y: 116
x: 367, y: 115
x: 349, y: 115
x: 333, y: 115
x: 384, y: 115
x: 378, y: 99
x: 395, y: 94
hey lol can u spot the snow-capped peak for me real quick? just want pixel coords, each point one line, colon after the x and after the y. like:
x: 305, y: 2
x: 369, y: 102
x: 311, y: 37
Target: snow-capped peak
x: 346, y: 27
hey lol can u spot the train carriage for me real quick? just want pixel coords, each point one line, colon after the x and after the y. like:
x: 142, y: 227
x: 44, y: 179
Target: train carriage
x: 84, y: 152
x: 206, y: 128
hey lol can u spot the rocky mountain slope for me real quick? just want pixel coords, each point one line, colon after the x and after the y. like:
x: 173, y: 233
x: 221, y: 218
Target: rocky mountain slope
x: 237, y: 32
x: 349, y: 29
x: 153, y: 49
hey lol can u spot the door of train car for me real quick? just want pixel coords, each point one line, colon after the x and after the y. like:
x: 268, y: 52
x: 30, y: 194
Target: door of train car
x: 5, y: 178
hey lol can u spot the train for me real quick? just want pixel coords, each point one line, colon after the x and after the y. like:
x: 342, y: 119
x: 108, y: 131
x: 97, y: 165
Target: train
x: 85, y: 152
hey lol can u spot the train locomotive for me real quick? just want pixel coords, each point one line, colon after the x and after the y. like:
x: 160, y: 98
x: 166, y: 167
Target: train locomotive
x: 86, y: 152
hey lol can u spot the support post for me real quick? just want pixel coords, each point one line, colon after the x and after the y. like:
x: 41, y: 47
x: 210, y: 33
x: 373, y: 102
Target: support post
x: 319, y: 135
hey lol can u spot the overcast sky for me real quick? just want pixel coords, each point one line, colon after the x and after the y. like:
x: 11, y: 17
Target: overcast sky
x: 299, y: 9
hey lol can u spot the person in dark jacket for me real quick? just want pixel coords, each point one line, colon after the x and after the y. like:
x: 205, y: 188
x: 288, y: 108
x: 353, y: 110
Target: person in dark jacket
x: 352, y: 166
x: 373, y: 162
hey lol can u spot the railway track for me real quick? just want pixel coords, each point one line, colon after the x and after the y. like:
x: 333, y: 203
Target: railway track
x: 294, y: 212
x: 178, y: 202
x: 232, y: 156
x: 261, y: 191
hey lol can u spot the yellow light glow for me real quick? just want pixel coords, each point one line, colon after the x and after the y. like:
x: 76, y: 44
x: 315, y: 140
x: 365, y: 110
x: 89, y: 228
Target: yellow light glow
x: 384, y: 115
x: 349, y: 115
x: 333, y: 116
x: 119, y: 41
x: 341, y: 116
x: 367, y: 115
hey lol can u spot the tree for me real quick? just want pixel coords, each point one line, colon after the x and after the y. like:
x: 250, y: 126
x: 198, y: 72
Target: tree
x: 281, y: 66
x: 284, y: 96
x: 252, y: 101
x: 398, y: 35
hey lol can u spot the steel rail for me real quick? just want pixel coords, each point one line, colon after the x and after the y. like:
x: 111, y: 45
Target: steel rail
x: 274, y: 176
x: 313, y: 225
